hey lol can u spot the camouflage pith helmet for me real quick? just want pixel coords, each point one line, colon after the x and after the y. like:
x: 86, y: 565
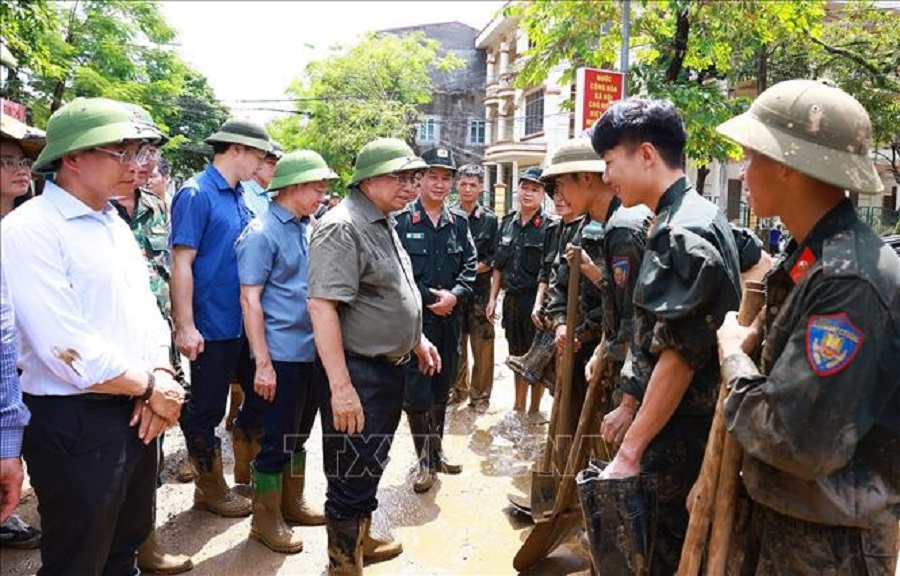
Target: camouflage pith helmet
x: 439, y: 157
x: 141, y: 116
x: 245, y: 132
x: 300, y: 167
x: 31, y: 140
x: 533, y: 174
x: 573, y: 156
x: 814, y: 128
x: 87, y: 123
x: 384, y: 156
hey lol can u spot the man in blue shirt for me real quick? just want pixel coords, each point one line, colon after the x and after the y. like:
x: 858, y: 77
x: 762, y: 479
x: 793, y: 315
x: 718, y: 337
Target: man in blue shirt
x: 256, y: 193
x: 273, y: 258
x: 208, y: 215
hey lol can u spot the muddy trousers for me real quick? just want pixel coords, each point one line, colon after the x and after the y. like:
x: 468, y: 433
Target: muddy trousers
x: 354, y: 463
x: 778, y: 545
x: 477, y: 330
x: 287, y: 420
x: 212, y: 372
x: 423, y: 392
x: 94, y: 481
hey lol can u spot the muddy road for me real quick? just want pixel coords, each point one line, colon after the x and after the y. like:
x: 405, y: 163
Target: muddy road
x: 463, y: 525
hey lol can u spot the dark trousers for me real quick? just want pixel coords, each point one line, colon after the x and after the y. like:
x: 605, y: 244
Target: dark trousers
x: 423, y: 392
x: 354, y: 463
x: 517, y: 322
x: 94, y: 481
x: 288, y: 420
x: 211, y: 375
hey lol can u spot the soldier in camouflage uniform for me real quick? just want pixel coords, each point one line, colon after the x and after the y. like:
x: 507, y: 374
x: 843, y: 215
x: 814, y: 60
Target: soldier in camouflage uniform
x: 819, y: 418
x: 148, y: 219
x: 517, y: 264
x: 688, y: 280
x: 475, y: 326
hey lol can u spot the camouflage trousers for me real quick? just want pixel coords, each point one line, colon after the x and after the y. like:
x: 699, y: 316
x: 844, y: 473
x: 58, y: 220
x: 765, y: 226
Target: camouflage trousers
x: 780, y: 545
x: 479, y: 331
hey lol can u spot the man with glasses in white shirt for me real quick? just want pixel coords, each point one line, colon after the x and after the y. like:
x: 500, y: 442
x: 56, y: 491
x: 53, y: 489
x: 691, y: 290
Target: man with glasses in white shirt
x: 95, y: 349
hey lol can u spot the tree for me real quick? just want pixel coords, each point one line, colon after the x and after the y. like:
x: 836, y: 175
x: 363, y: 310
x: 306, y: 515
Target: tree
x: 112, y: 48
x: 371, y: 89
x: 690, y: 51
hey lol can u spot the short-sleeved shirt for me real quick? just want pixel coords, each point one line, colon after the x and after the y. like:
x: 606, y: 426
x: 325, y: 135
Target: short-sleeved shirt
x: 518, y: 254
x: 273, y: 252
x: 483, y: 225
x: 688, y: 280
x: 208, y: 215
x: 256, y: 197
x: 356, y: 259
x: 820, y: 420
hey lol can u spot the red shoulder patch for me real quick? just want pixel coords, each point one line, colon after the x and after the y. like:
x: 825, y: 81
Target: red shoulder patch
x: 802, y: 265
x: 536, y: 221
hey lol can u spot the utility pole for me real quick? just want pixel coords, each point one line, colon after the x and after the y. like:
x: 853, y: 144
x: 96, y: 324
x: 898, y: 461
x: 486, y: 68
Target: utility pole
x: 626, y: 33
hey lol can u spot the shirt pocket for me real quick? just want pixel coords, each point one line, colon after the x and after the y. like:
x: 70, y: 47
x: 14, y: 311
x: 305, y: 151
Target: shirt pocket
x: 504, y: 250
x: 417, y: 249
x: 532, y: 257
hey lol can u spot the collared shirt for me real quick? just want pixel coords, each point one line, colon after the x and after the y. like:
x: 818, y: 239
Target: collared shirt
x: 518, y: 254
x: 356, y: 259
x: 81, y: 293
x: 14, y: 416
x: 256, y: 197
x: 442, y: 255
x: 819, y: 421
x: 273, y: 252
x: 208, y: 215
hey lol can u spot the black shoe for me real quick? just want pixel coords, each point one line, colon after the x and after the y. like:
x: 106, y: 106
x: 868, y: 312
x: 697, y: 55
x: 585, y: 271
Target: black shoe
x: 17, y: 534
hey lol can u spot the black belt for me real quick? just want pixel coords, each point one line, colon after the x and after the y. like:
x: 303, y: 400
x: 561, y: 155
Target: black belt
x: 83, y: 397
x: 391, y: 360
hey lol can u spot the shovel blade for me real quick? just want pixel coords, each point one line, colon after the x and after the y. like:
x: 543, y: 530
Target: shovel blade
x: 545, y: 537
x: 543, y: 494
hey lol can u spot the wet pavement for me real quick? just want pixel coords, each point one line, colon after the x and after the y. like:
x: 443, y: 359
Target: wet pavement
x: 464, y: 525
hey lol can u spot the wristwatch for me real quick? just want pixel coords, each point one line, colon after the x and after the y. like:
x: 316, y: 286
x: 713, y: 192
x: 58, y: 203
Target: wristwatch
x: 148, y: 392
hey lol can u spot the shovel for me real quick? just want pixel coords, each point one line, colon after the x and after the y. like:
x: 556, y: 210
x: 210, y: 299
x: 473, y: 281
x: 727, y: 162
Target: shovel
x: 550, y: 533
x: 545, y: 479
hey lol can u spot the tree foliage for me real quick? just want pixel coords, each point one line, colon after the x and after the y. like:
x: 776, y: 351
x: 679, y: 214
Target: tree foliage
x: 695, y: 51
x: 112, y: 48
x: 360, y: 92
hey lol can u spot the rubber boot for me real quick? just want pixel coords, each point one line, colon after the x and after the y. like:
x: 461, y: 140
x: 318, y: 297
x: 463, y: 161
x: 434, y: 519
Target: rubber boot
x: 294, y: 506
x: 246, y: 445
x: 268, y: 525
x: 345, y: 550
x: 620, y: 520
x: 420, y: 427
x: 439, y: 462
x: 234, y: 404
x: 151, y: 559
x: 212, y: 493
x: 531, y: 365
x: 375, y: 549
x: 186, y: 471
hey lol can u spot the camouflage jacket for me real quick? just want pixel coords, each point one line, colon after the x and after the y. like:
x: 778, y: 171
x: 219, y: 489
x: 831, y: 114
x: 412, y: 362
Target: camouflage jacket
x: 150, y: 225
x: 688, y: 280
x: 820, y: 420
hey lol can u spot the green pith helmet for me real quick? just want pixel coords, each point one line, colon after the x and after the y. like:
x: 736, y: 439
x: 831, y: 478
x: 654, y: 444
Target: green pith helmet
x: 31, y: 140
x: 533, y: 174
x: 439, y: 157
x: 300, y: 167
x: 141, y: 116
x: 87, y: 123
x: 573, y: 156
x: 814, y: 128
x: 384, y: 156
x: 246, y: 132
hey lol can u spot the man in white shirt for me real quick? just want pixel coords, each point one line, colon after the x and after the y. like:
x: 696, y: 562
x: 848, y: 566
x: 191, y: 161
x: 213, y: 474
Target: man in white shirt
x: 95, y: 364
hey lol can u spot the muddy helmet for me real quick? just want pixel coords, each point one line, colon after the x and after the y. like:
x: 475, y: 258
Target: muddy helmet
x: 573, y: 156
x: 384, y: 156
x: 87, y: 123
x: 814, y: 128
x: 142, y: 116
x: 300, y: 167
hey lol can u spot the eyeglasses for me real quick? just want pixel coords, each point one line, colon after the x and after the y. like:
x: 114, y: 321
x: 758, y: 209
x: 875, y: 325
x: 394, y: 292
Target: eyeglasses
x: 11, y: 163
x: 407, y: 178
x: 129, y: 157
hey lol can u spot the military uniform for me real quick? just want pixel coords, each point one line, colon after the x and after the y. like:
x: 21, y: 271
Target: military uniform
x: 518, y: 256
x: 819, y: 420
x: 475, y: 326
x: 688, y: 280
x: 443, y: 257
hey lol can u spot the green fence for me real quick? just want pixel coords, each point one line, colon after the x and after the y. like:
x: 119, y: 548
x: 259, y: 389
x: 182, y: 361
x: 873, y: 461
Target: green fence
x: 880, y: 219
